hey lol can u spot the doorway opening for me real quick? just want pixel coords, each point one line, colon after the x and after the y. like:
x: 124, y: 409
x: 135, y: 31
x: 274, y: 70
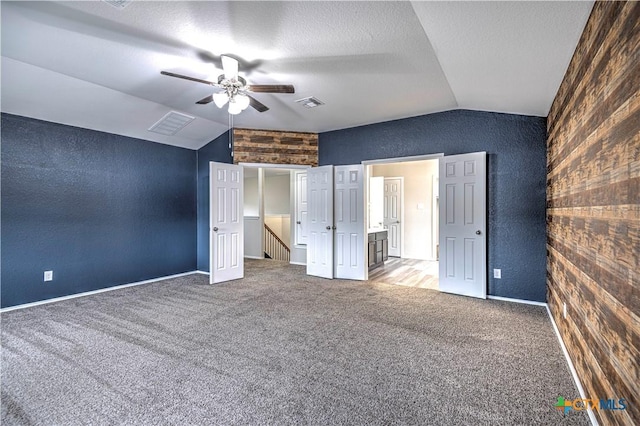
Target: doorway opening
x: 269, y: 212
x: 403, y: 199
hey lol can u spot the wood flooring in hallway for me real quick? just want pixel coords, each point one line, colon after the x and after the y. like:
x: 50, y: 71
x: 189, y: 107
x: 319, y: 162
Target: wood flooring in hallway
x: 407, y: 272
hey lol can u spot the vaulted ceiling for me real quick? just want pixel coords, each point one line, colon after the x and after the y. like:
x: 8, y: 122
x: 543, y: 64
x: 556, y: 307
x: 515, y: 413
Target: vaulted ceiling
x: 92, y: 65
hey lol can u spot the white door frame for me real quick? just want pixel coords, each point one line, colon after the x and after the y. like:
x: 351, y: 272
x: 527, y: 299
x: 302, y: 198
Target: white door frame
x: 261, y: 167
x: 389, y: 161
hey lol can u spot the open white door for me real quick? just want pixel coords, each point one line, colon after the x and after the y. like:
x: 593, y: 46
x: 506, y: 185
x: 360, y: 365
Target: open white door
x: 393, y: 188
x: 301, y: 207
x: 226, y: 225
x: 349, y: 222
x: 320, y: 221
x: 463, y: 258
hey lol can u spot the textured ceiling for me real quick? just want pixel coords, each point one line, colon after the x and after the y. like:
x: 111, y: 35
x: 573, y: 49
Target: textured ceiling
x: 91, y: 65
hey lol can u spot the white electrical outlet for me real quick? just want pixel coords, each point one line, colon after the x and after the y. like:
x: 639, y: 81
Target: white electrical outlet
x: 497, y: 273
x: 48, y: 275
x: 564, y: 310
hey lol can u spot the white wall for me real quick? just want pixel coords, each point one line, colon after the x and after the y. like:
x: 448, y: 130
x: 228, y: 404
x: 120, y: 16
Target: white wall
x: 376, y: 203
x: 276, y: 194
x: 253, y: 237
x: 251, y: 199
x: 418, y: 209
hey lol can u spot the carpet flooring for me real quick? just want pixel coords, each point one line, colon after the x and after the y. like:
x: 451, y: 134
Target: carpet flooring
x: 279, y: 347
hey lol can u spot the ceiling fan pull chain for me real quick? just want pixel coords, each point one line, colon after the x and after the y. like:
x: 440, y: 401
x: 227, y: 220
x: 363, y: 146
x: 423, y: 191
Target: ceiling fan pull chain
x: 231, y: 135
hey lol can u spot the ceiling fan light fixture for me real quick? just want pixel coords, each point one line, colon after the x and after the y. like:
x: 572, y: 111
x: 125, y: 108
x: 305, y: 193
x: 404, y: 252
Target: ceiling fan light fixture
x: 233, y: 88
x: 234, y: 108
x: 220, y: 99
x: 242, y: 100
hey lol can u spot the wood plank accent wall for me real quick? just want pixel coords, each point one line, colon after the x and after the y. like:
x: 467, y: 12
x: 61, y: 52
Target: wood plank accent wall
x: 273, y: 147
x: 593, y: 209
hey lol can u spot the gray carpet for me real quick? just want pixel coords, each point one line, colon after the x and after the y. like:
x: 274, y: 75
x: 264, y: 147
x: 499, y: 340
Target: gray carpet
x: 279, y: 347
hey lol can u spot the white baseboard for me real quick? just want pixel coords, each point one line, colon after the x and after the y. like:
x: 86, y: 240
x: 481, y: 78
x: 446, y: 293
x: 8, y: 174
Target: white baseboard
x: 201, y: 272
x: 509, y: 299
x: 298, y: 263
x: 574, y: 373
x: 254, y: 257
x: 89, y: 293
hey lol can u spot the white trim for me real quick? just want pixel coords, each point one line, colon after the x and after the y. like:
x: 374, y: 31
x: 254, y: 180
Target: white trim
x: 403, y: 159
x: 367, y: 173
x: 89, y: 293
x: 254, y: 257
x: 273, y: 166
x: 298, y: 263
x: 201, y: 272
x: 574, y: 373
x: 526, y: 302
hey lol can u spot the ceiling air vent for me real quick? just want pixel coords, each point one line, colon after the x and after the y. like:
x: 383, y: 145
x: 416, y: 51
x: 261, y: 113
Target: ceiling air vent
x: 310, y: 102
x: 171, y: 123
x: 118, y: 4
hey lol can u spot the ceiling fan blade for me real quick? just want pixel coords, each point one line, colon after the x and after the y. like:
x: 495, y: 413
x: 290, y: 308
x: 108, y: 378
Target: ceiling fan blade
x: 230, y: 67
x: 257, y: 105
x: 206, y: 100
x: 271, y: 88
x: 186, y: 77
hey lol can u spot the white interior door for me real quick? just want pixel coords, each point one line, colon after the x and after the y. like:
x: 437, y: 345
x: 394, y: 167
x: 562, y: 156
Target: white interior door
x: 349, y: 236
x: 393, y: 214
x: 320, y: 221
x: 226, y: 225
x: 462, y: 191
x: 301, y: 207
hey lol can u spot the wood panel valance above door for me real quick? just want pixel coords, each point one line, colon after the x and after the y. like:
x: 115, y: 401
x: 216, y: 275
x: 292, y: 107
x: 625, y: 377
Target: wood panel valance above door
x: 275, y: 147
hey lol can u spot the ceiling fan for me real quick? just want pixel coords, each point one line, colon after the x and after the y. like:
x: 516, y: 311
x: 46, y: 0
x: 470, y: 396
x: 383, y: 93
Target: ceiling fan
x: 234, y: 89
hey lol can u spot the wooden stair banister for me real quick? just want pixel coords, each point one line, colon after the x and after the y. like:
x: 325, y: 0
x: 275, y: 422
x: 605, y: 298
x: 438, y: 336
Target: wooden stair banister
x: 274, y: 247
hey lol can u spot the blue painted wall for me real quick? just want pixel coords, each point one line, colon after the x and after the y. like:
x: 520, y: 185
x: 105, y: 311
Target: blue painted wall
x: 216, y: 150
x: 516, y: 148
x: 102, y: 210
x: 98, y: 209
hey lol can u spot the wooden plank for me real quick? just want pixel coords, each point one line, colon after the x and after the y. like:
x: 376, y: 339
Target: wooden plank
x: 593, y: 208
x: 275, y: 147
x: 605, y: 379
x: 600, y: 28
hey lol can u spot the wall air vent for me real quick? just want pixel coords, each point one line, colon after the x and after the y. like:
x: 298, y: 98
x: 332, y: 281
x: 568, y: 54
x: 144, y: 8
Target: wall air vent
x: 171, y: 123
x: 118, y: 4
x: 310, y: 102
